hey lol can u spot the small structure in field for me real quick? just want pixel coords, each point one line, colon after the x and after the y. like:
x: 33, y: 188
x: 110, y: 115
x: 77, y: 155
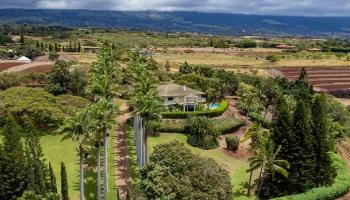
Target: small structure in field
x: 314, y: 50
x: 284, y: 46
x: 24, y: 59
x: 174, y: 94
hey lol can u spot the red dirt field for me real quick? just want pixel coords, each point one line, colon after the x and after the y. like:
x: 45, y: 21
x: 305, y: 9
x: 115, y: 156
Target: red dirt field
x: 325, y: 78
x: 7, y: 65
x: 38, y: 69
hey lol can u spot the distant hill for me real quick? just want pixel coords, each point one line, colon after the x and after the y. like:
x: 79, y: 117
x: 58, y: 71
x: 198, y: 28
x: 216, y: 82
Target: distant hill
x: 211, y: 23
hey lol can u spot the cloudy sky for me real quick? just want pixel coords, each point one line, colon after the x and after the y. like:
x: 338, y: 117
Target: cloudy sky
x: 273, y: 7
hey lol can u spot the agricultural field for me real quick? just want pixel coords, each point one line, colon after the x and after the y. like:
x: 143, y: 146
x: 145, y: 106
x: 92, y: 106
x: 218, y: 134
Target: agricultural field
x: 323, y: 79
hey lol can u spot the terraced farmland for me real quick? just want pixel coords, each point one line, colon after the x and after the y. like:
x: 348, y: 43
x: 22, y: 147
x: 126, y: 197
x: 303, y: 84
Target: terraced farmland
x: 328, y: 79
x: 4, y: 65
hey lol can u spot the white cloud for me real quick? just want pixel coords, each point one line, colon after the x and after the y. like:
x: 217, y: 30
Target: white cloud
x: 271, y: 7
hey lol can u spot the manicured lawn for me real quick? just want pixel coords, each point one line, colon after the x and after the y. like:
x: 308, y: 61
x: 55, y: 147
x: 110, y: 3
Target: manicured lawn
x: 57, y: 151
x: 235, y: 167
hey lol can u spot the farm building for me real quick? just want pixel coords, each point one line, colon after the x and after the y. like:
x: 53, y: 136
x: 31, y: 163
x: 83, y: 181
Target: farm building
x: 174, y: 94
x: 24, y: 59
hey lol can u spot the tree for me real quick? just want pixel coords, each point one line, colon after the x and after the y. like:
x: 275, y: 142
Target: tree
x: 52, y: 180
x: 53, y: 55
x: 258, y: 135
x: 35, y: 159
x: 266, y: 160
x: 167, y: 66
x: 78, y: 83
x: 79, y: 47
x: 12, y: 166
x: 21, y: 40
x: 64, y: 183
x: 77, y: 127
x: 325, y: 172
x: 185, y: 68
x: 103, y: 112
x: 144, y: 99
x: 174, y: 171
x: 201, y: 132
x: 102, y: 85
x: 59, y: 78
x: 304, y: 165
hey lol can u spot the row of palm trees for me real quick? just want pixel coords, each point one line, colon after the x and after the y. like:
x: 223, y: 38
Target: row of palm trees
x: 94, y: 122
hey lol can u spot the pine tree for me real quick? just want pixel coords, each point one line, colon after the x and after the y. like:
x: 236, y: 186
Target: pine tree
x: 79, y: 47
x: 324, y: 173
x: 22, y: 40
x: 302, y: 170
x: 281, y: 129
x: 64, y: 183
x: 52, y: 180
x: 37, y: 44
x: 50, y: 47
x: 35, y: 158
x: 12, y: 166
x: 303, y: 75
x: 42, y: 45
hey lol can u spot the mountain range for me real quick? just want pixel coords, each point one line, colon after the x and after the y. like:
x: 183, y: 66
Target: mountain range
x: 205, y: 23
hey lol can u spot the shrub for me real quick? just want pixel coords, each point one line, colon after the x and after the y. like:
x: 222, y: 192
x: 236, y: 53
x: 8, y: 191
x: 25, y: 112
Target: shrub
x: 256, y: 117
x: 339, y: 188
x: 202, y: 133
x: 272, y: 58
x: 210, y: 113
x: 232, y: 143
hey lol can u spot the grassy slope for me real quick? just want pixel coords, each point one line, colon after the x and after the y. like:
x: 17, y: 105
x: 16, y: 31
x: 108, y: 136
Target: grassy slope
x: 235, y: 167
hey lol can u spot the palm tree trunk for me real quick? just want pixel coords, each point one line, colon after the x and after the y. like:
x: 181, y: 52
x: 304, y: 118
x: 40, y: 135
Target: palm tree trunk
x: 250, y: 183
x: 260, y: 185
x: 98, y: 170
x: 81, y: 172
x: 105, y: 165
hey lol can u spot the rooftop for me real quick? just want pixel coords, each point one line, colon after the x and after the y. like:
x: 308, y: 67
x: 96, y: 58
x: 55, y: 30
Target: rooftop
x: 172, y: 90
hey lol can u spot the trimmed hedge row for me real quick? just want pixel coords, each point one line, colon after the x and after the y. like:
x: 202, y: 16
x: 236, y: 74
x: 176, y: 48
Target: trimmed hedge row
x: 210, y: 113
x: 225, y: 125
x: 339, y: 188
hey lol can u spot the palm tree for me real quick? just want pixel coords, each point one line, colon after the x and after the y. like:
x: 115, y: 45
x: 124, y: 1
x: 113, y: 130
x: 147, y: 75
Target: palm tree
x: 260, y: 135
x: 103, y: 81
x: 145, y: 99
x: 265, y: 159
x: 102, y: 112
x: 77, y: 127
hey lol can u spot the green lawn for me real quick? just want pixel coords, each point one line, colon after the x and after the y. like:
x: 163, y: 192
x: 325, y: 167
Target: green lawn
x: 235, y: 167
x: 57, y: 151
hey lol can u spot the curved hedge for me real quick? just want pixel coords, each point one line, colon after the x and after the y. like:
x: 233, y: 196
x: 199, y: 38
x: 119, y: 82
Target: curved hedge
x: 339, y: 188
x: 211, y: 113
x: 224, y: 125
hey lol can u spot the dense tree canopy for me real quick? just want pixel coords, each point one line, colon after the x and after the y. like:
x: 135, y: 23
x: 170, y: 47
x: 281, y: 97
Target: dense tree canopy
x: 176, y: 173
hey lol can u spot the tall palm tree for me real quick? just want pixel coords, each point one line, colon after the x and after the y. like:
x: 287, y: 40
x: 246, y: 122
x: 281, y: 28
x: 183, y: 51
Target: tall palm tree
x: 102, y: 112
x: 145, y: 98
x: 260, y: 135
x: 265, y: 159
x: 103, y: 81
x: 78, y: 127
